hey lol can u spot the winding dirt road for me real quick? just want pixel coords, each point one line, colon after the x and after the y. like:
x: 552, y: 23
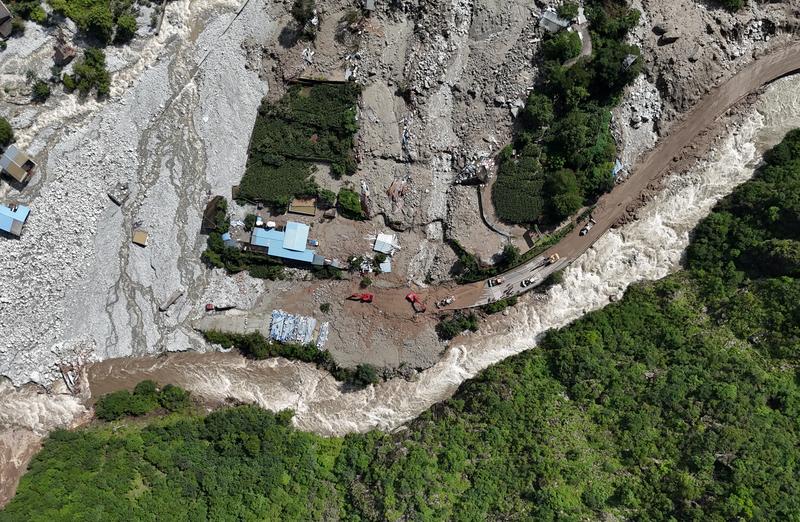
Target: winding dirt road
x: 669, y: 153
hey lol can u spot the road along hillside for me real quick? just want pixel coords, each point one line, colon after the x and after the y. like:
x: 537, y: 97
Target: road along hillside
x: 670, y: 153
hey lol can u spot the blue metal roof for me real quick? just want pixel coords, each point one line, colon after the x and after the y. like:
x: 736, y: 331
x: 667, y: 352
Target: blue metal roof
x: 275, y: 243
x: 226, y: 236
x: 264, y: 238
x: 296, y: 236
x: 8, y: 216
x: 278, y: 251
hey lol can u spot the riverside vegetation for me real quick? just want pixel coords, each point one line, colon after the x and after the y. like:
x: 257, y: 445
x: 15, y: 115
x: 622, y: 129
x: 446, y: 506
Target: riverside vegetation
x: 679, y: 402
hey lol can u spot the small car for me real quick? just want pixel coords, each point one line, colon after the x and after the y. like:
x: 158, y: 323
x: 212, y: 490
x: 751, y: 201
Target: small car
x: 526, y: 282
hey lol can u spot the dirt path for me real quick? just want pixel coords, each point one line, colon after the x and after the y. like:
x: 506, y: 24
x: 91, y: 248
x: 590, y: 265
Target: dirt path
x: 674, y: 153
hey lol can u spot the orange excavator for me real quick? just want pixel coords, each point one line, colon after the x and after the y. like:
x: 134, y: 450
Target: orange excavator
x: 418, y: 305
x: 364, y: 298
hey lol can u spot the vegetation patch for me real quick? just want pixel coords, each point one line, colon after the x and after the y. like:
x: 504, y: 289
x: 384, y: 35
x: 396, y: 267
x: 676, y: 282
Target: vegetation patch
x: 499, y: 305
x: 451, y: 326
x: 89, y: 74
x: 309, y: 124
x: 257, y: 346
x: 563, y: 154
x: 102, y: 20
x: 145, y: 398
x: 6, y: 133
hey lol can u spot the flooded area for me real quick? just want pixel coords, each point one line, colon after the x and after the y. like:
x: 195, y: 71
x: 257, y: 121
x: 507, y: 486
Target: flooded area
x: 647, y: 249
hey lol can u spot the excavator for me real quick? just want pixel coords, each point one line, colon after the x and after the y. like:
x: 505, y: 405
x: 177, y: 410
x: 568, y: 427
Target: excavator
x: 418, y: 305
x: 364, y: 297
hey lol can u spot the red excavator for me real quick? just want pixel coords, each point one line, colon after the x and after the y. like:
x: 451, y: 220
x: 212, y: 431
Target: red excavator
x: 364, y: 298
x: 418, y: 305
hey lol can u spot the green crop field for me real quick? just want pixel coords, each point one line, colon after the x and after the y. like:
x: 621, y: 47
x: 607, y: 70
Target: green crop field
x: 309, y: 124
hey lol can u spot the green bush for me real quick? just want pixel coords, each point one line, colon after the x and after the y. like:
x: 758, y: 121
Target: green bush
x: 250, y: 222
x: 568, y: 10
x: 349, y: 204
x: 40, y: 91
x: 499, y: 305
x: 6, y: 133
x: 126, y: 28
x: 325, y: 308
x: 303, y: 12
x: 257, y: 346
x: 90, y: 73
x: 326, y: 198
x: 450, y: 327
x: 562, y: 46
x: 365, y: 282
x: 145, y: 398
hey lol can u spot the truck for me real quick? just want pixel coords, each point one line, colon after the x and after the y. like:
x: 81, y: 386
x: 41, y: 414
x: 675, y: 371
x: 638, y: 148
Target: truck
x: 553, y: 258
x: 416, y: 304
x: 588, y: 226
x: 494, y: 281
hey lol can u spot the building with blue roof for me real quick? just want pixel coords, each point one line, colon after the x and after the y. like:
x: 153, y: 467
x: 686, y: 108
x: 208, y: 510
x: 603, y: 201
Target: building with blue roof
x: 296, y: 237
x: 290, y: 243
x: 12, y: 218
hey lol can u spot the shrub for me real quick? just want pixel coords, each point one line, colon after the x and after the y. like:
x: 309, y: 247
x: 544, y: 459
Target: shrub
x: 568, y: 10
x: 40, y: 91
x: 90, y: 73
x: 326, y: 198
x: 126, y: 28
x: 499, y: 306
x: 303, y: 12
x: 349, y: 203
x: 562, y: 46
x: 6, y: 132
x: 250, y: 222
x: 145, y: 398
x: 366, y: 375
x: 325, y: 308
x: 448, y: 328
x: 365, y: 282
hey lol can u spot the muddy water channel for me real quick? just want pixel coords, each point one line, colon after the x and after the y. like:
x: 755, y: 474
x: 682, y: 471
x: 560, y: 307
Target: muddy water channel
x: 648, y: 249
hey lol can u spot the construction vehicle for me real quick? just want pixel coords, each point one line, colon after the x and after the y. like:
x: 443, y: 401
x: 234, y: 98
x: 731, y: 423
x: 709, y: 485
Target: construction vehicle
x: 364, y: 297
x: 446, y: 301
x: 552, y: 259
x: 494, y: 281
x: 585, y: 230
x: 418, y: 305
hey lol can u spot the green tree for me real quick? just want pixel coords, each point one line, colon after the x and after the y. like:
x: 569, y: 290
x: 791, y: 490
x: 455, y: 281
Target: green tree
x: 562, y: 46
x: 6, y: 133
x: 173, y: 398
x: 40, y: 91
x: 568, y: 10
x: 349, y: 203
x: 564, y: 194
x: 538, y: 112
x: 126, y: 28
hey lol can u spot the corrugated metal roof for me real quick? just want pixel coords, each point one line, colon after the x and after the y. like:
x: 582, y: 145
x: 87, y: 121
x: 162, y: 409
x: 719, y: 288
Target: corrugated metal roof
x: 296, y: 236
x: 275, y: 250
x: 263, y: 238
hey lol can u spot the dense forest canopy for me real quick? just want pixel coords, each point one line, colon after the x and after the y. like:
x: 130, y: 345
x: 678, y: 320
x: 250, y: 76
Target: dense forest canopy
x: 680, y: 402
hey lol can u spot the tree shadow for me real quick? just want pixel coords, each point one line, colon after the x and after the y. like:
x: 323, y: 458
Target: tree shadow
x: 289, y: 36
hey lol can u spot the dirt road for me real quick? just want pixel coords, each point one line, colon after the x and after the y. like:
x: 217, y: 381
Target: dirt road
x: 673, y: 152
